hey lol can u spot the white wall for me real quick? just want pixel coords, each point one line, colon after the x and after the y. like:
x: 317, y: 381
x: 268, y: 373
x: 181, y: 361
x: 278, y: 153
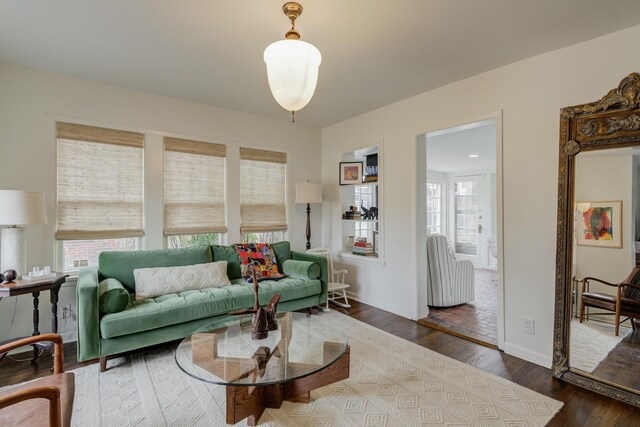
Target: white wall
x: 31, y: 100
x: 530, y: 93
x: 606, y: 178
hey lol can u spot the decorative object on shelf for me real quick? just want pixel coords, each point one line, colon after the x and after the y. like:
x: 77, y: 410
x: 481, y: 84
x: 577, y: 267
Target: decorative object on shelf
x: 599, y: 224
x: 362, y: 247
x: 18, y: 208
x: 292, y: 66
x: 353, y: 213
x: 264, y: 318
x: 350, y: 242
x: 10, y: 275
x: 350, y: 173
x: 372, y: 168
x: 308, y: 192
x: 370, y: 214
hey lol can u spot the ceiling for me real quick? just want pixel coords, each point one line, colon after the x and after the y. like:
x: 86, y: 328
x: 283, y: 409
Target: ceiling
x: 448, y: 150
x: 375, y: 52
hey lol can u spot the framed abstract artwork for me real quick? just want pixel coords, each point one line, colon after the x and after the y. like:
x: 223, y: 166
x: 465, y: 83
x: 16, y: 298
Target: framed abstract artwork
x: 599, y: 224
x: 350, y: 173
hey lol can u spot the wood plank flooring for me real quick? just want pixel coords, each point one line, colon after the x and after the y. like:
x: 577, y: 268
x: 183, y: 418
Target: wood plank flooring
x: 582, y: 407
x: 616, y: 367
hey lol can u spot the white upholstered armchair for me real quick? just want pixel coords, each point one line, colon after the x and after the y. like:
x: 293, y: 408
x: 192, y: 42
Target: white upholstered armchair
x: 449, y: 281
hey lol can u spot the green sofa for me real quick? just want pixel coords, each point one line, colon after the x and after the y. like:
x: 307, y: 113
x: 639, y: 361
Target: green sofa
x: 174, y: 316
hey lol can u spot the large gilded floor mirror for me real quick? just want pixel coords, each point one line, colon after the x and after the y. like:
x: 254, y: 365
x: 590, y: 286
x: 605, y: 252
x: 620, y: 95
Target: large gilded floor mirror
x: 597, y: 306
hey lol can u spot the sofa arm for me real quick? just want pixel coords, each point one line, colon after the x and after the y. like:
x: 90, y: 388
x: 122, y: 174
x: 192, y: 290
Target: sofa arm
x: 87, y: 309
x: 324, y: 271
x: 301, y: 269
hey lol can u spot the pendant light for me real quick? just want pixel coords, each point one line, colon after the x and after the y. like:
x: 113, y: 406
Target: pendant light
x: 292, y: 66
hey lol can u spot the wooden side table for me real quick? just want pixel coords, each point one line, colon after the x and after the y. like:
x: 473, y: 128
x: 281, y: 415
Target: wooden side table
x: 34, y: 287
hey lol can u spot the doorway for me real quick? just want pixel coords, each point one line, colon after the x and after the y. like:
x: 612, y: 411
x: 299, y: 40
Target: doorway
x: 460, y: 177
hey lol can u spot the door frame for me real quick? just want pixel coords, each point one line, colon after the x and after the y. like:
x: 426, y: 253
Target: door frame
x: 421, y: 216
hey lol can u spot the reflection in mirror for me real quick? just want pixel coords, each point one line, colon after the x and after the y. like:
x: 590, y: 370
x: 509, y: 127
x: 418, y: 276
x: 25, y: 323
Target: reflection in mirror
x: 606, y: 291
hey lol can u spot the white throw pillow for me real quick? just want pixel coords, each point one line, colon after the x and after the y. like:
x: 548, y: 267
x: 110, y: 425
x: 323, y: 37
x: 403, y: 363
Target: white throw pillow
x: 157, y: 281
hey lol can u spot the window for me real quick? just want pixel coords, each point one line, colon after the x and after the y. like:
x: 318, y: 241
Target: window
x: 269, y: 237
x: 434, y: 208
x: 99, y: 192
x: 78, y: 254
x: 365, y: 196
x: 194, y: 187
x: 466, y: 231
x: 263, y: 209
x: 186, y: 240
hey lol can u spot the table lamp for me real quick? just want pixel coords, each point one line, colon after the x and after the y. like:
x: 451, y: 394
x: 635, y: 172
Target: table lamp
x: 18, y: 208
x: 308, y: 192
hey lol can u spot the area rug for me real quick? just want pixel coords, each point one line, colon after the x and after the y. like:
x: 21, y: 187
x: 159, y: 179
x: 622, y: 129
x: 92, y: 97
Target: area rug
x: 393, y: 382
x: 591, y: 342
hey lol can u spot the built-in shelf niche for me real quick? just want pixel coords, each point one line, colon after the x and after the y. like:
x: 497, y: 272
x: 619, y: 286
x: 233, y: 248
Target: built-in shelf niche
x: 367, y: 194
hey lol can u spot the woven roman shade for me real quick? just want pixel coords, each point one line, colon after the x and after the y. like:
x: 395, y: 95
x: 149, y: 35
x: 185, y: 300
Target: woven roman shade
x: 262, y: 191
x: 99, y: 183
x: 194, y: 173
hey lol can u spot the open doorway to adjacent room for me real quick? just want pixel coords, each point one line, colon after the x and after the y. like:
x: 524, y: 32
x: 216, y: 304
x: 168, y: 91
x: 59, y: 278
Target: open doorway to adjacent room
x: 461, y: 200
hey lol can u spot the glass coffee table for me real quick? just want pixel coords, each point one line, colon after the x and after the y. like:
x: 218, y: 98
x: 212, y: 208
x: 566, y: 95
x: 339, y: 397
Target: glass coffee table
x: 300, y: 356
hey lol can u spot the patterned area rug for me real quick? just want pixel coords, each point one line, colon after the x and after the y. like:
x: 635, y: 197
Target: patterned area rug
x: 591, y: 342
x: 393, y: 383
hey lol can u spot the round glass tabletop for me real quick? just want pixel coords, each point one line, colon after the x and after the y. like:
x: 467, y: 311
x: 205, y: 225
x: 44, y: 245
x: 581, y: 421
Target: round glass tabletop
x: 224, y: 352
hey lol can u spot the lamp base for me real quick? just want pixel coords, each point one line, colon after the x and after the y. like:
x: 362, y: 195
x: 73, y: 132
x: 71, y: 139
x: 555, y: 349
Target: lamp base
x: 13, y: 250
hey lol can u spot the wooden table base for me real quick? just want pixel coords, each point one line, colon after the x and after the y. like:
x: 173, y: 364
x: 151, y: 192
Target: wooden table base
x: 251, y: 401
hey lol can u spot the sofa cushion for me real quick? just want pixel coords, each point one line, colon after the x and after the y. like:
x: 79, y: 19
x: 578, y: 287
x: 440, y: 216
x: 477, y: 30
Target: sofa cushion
x: 192, y: 305
x: 301, y: 269
x: 157, y: 281
x: 258, y: 257
x: 113, y: 296
x: 282, y: 251
x: 229, y: 254
x: 120, y: 265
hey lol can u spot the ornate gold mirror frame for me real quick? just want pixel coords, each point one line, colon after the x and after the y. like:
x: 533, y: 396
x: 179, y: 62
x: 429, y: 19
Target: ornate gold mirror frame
x: 611, y: 122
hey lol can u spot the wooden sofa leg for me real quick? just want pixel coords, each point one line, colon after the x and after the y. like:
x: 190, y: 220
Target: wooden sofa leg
x: 103, y: 363
x: 310, y: 310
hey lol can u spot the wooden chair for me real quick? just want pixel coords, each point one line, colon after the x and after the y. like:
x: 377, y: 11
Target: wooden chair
x: 337, y: 287
x: 29, y: 405
x: 625, y: 303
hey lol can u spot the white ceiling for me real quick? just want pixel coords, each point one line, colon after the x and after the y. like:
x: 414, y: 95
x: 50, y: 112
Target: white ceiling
x: 375, y: 52
x: 448, y: 151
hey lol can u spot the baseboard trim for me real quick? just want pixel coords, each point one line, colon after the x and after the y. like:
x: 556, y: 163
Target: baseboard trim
x: 382, y: 306
x: 528, y: 355
x: 439, y: 327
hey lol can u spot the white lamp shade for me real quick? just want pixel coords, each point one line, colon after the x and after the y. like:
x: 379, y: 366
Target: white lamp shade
x: 22, y: 208
x: 292, y: 70
x: 308, y: 192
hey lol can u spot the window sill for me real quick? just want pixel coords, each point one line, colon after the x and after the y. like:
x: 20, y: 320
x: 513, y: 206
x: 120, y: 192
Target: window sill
x: 358, y: 259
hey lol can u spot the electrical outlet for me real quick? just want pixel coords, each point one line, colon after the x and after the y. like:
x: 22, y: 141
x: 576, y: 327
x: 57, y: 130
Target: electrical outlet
x: 66, y: 312
x: 528, y: 326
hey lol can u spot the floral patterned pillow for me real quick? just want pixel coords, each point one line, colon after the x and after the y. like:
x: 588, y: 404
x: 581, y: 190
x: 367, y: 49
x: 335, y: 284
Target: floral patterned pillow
x: 260, y: 255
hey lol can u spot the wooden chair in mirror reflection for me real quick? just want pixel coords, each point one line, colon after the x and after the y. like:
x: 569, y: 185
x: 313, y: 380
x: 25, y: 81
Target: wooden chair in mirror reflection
x: 624, y: 304
x: 337, y: 288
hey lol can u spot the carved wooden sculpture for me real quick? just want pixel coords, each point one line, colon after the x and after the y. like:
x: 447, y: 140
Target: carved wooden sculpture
x: 263, y: 317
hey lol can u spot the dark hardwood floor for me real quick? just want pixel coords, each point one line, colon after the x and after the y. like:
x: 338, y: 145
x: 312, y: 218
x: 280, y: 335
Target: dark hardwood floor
x: 616, y: 367
x: 581, y: 407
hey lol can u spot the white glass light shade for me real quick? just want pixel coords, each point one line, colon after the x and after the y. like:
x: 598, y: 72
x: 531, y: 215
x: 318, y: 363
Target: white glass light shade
x: 292, y: 69
x: 22, y: 208
x: 308, y: 192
